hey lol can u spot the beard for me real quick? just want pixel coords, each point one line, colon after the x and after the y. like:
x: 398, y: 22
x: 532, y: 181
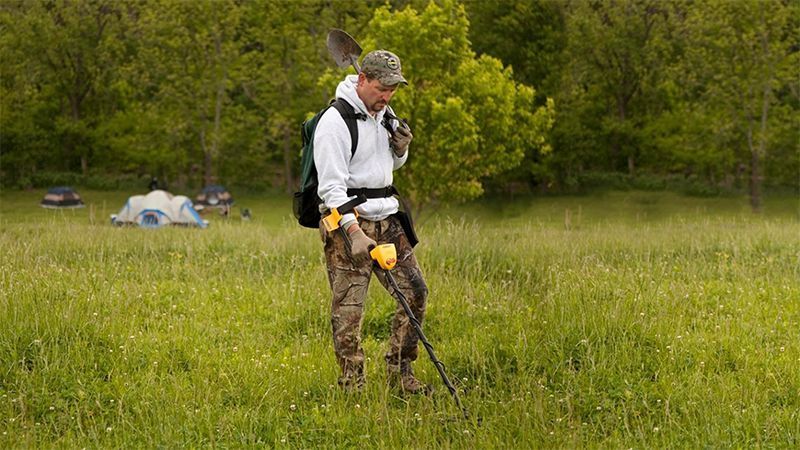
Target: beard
x: 378, y: 106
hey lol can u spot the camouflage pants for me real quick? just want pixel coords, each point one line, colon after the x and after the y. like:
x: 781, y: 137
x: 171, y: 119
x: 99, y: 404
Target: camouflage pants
x: 349, y: 285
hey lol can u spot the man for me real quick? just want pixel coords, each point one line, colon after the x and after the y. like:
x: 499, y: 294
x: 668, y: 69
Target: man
x: 377, y: 154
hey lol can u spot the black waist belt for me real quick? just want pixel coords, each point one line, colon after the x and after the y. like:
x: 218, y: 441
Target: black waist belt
x: 362, y: 194
x: 383, y: 192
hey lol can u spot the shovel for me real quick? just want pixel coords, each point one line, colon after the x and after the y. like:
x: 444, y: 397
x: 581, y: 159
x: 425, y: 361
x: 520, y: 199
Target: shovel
x: 344, y: 49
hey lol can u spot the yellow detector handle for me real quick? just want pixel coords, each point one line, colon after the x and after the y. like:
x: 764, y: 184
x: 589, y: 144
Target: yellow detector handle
x: 331, y: 221
x: 385, y: 255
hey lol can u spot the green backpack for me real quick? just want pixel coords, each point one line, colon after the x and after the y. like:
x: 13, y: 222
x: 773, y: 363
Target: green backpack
x: 306, y: 201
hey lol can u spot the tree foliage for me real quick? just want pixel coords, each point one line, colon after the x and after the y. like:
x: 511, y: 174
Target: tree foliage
x: 470, y: 118
x: 740, y: 62
x: 529, y: 36
x: 62, y: 59
x: 216, y: 90
x: 616, y: 53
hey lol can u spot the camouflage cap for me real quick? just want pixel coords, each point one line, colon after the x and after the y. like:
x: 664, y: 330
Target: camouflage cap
x: 384, y: 66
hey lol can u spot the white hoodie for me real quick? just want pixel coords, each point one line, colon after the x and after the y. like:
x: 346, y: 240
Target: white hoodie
x: 370, y: 167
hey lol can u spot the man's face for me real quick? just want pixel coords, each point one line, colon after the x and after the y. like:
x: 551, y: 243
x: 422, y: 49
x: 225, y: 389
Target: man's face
x: 373, y: 93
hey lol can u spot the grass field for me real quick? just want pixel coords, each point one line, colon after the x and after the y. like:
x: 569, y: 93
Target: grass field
x: 646, y: 320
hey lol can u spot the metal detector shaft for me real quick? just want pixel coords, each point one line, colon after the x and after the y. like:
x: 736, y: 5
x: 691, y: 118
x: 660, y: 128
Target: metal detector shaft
x: 398, y: 295
x: 418, y: 327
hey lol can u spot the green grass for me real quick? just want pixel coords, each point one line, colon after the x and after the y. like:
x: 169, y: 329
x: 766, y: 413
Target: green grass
x: 623, y: 320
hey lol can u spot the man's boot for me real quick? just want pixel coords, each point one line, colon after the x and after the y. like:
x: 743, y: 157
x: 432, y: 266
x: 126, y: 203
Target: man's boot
x: 353, y: 379
x: 402, y: 376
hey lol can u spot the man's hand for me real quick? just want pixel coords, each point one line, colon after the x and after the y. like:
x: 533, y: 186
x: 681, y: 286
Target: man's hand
x: 361, y: 244
x: 399, y: 142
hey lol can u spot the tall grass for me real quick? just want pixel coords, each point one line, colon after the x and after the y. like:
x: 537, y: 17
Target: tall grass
x: 635, y: 319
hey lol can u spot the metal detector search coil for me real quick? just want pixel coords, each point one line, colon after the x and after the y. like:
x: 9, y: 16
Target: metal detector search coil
x: 385, y: 255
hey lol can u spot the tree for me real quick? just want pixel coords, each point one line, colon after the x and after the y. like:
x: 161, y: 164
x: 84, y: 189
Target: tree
x: 284, y: 54
x: 470, y: 119
x: 187, y: 60
x: 27, y: 132
x: 65, y: 56
x: 527, y: 35
x: 742, y: 56
x: 278, y: 42
x: 616, y: 52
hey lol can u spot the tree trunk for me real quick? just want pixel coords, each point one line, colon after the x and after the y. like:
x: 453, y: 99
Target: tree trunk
x: 755, y: 181
x: 75, y: 109
x: 615, y: 151
x: 206, y: 158
x: 287, y: 158
x: 288, y: 135
x: 755, y: 169
x: 208, y: 178
x: 758, y: 153
x: 212, y: 152
x: 217, y: 119
x: 621, y: 110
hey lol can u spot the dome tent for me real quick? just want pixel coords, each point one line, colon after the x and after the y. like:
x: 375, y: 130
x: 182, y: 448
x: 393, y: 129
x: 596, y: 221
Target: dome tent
x: 61, y: 197
x: 157, y: 209
x: 214, y: 196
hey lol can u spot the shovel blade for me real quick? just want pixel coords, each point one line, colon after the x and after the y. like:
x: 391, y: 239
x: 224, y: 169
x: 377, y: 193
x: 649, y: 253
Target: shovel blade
x: 343, y: 49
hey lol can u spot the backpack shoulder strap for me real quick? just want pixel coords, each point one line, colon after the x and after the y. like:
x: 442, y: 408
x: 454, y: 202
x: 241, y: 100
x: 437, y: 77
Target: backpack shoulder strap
x: 350, y: 117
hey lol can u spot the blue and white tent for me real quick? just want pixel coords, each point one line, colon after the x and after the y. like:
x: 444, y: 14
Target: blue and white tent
x: 157, y: 209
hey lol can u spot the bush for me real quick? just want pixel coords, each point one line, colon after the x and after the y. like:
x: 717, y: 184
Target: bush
x: 648, y: 182
x: 696, y: 187
x: 106, y: 182
x: 96, y: 181
x: 691, y: 185
x: 50, y: 179
x: 602, y: 180
x: 23, y: 182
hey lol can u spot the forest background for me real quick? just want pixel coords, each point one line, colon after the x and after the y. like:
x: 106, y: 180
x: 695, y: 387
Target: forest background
x: 505, y: 96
